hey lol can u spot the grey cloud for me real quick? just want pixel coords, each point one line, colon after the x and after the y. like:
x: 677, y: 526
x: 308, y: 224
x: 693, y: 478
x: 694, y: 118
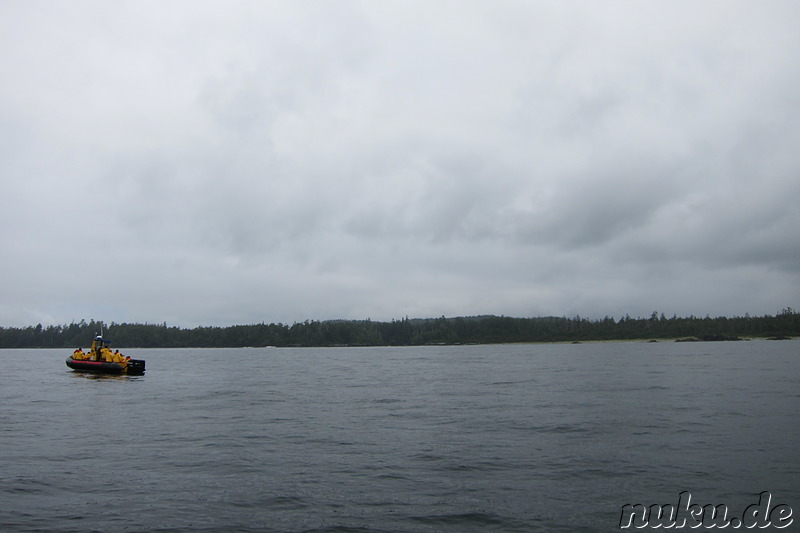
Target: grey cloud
x: 290, y: 161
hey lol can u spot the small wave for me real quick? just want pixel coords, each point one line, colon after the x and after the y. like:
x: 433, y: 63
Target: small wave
x: 475, y: 520
x: 565, y: 428
x: 25, y: 486
x: 343, y: 529
x: 393, y: 477
x: 513, y: 382
x: 286, y: 503
x: 427, y: 457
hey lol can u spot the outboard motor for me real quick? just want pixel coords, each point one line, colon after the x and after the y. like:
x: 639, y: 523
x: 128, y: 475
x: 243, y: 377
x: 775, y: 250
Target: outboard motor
x: 135, y: 367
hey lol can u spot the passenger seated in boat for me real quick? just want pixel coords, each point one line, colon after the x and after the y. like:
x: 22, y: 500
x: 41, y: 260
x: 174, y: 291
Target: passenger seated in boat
x: 78, y: 355
x: 106, y: 355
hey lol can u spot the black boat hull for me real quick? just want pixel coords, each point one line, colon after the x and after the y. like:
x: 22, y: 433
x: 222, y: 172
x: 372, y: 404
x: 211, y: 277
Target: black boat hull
x: 134, y: 367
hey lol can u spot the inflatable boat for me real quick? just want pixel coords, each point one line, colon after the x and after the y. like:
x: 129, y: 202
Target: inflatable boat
x: 100, y: 359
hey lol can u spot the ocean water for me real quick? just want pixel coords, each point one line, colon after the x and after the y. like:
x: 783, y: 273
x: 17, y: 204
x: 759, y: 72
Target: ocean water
x: 551, y: 437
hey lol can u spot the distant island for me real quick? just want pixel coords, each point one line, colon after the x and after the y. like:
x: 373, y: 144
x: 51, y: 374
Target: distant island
x: 487, y: 329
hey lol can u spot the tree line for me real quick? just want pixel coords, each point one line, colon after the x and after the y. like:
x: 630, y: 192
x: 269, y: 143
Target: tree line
x: 407, y: 332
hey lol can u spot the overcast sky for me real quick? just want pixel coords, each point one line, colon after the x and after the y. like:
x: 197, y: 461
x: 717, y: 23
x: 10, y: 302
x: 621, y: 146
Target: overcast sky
x: 238, y: 162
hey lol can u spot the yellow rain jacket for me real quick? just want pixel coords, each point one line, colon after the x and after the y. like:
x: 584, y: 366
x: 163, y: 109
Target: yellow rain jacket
x: 106, y: 355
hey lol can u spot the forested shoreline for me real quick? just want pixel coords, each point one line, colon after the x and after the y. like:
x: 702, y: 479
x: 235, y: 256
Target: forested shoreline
x: 408, y: 332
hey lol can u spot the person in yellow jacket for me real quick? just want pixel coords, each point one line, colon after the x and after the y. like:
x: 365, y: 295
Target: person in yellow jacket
x: 106, y: 355
x: 78, y: 355
x: 117, y: 357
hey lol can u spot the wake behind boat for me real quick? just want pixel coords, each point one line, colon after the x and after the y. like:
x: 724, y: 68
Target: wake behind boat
x: 100, y: 359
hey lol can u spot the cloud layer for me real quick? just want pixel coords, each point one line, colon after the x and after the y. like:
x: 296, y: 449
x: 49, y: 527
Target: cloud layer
x: 209, y: 163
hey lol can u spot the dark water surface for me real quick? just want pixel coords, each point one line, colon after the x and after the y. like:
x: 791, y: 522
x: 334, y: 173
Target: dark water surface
x: 474, y: 438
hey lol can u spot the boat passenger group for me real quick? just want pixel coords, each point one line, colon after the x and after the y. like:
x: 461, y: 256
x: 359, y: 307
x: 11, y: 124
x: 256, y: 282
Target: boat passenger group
x: 105, y: 354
